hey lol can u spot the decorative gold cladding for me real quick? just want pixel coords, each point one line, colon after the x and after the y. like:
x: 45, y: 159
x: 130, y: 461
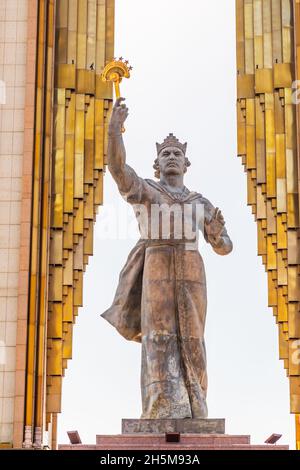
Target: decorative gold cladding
x: 72, y: 110
x: 82, y: 103
x: 37, y: 315
x: 267, y: 144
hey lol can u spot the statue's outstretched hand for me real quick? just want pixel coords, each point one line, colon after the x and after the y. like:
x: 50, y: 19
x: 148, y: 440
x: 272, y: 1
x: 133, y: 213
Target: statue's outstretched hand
x: 118, y: 117
x: 215, y: 226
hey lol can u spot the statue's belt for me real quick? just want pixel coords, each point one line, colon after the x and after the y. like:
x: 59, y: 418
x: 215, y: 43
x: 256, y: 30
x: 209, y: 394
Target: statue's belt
x: 169, y: 242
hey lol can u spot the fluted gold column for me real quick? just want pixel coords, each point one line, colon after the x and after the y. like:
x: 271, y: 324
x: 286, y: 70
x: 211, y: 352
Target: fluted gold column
x: 82, y: 102
x: 38, y: 287
x: 75, y: 40
x: 267, y: 145
x: 297, y: 76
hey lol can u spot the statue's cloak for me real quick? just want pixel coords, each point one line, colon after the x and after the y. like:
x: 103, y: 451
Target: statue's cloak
x: 125, y: 312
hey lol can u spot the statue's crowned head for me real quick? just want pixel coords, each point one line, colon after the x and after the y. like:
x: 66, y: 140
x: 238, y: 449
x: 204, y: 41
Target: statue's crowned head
x: 171, y: 157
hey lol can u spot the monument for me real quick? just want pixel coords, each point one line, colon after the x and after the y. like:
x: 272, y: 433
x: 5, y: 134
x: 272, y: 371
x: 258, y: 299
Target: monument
x: 161, y: 302
x: 161, y: 297
x: 55, y: 109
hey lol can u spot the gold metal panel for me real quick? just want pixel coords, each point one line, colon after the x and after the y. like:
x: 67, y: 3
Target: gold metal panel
x: 55, y: 321
x: 69, y: 174
x: 294, y: 320
x: 99, y: 190
x: 72, y: 16
x: 81, y: 51
x: 294, y: 357
x: 57, y: 211
x: 54, y: 357
x: 280, y: 156
x: 66, y: 76
x: 89, y: 120
x: 101, y: 33
x: 282, y: 315
x: 264, y: 81
x: 99, y: 134
x: 283, y: 345
x: 295, y: 394
x: 72, y: 46
x: 272, y: 293
x: 86, y: 82
x: 279, y: 113
x: 109, y: 41
x: 55, y: 288
x: 78, y: 292
x: 53, y: 403
x: 294, y: 247
x: 68, y: 234
x: 241, y: 130
x: 82, y: 34
x: 282, y: 281
x: 61, y: 45
x: 293, y: 284
x: 78, y: 219
x: 62, y: 14
x: 293, y: 211
x: 68, y: 309
x: 291, y: 169
x: 67, y: 342
x: 250, y: 134
x: 282, y: 76
x: 91, y: 32
x: 89, y: 205
x: 270, y: 131
x: 56, y: 247
x: 268, y: 50
x: 240, y: 36
x: 104, y: 90
x: 88, y: 241
x: 245, y: 86
x: 68, y: 270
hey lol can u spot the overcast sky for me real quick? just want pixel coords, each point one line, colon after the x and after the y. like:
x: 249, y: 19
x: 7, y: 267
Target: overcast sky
x: 183, y: 81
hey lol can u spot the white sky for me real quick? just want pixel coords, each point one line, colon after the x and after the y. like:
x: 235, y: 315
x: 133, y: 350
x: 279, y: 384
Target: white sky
x: 183, y: 81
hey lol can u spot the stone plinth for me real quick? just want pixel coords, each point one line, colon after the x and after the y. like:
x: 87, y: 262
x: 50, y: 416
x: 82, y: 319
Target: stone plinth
x: 157, y: 442
x: 184, y: 426
x: 195, y: 434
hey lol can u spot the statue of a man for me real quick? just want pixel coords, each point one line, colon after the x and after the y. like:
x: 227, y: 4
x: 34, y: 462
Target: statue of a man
x: 161, y: 297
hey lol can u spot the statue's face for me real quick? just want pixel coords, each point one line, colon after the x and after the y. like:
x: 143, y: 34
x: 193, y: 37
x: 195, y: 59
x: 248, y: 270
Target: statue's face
x: 171, y: 161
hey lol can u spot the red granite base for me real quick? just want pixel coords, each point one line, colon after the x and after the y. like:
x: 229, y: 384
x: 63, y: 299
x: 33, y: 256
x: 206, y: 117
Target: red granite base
x: 158, y: 442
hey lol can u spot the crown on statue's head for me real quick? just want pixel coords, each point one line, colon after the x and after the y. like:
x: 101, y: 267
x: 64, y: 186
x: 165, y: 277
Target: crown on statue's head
x: 171, y: 141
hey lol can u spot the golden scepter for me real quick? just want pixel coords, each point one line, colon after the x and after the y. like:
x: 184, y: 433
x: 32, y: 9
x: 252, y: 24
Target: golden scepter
x: 114, y: 72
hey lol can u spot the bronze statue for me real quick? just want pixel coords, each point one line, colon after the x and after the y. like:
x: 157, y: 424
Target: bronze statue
x: 161, y: 296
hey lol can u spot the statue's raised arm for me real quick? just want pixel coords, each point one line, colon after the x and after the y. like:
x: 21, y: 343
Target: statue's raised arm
x: 122, y: 173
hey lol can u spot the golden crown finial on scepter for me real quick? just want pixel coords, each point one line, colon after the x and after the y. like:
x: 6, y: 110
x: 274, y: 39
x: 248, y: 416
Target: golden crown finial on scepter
x: 114, y: 72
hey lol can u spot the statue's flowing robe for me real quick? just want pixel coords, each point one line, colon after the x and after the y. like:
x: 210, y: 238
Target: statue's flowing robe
x: 161, y: 302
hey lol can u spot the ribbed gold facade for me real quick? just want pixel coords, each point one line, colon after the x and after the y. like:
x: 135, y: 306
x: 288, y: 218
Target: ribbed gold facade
x: 75, y: 40
x: 267, y: 145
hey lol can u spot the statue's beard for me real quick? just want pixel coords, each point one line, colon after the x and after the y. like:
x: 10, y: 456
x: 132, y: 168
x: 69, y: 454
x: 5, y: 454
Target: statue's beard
x: 173, y: 170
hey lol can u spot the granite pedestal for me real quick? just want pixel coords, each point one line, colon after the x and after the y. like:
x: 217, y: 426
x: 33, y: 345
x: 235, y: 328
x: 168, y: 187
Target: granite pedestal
x: 195, y: 434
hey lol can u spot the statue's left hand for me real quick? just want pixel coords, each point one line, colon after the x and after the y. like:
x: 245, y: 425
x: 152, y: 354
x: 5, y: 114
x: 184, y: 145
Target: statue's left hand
x: 215, y: 226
